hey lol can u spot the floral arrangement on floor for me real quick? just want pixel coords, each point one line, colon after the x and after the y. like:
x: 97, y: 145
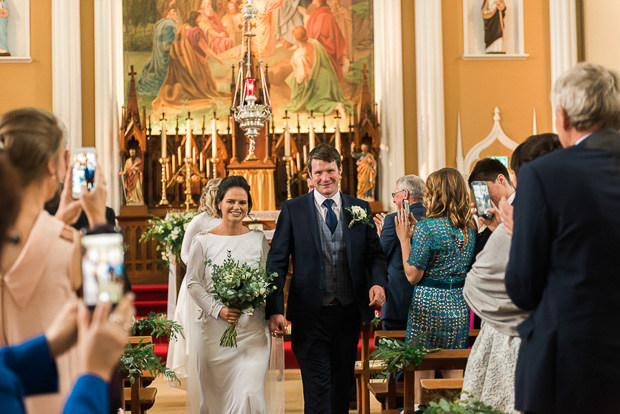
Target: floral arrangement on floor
x: 397, y: 355
x: 240, y: 286
x: 169, y: 232
x: 467, y: 404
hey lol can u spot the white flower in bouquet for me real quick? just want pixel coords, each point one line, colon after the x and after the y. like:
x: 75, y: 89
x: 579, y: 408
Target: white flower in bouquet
x: 241, y: 286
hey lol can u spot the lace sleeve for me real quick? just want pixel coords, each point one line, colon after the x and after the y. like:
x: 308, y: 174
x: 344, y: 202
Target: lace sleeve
x: 199, y: 282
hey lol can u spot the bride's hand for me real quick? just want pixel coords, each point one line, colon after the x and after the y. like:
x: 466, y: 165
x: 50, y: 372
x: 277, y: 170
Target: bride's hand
x: 230, y: 315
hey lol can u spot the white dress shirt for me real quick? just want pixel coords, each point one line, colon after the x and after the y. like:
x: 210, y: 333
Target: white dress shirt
x: 320, y: 198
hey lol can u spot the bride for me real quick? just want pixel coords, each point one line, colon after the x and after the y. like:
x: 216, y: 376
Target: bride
x: 232, y: 380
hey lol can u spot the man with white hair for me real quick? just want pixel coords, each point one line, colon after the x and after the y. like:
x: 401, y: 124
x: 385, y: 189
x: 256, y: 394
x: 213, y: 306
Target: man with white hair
x: 563, y: 260
x: 395, y: 310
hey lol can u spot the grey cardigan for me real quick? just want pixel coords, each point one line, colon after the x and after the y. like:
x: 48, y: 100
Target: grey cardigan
x: 485, y: 291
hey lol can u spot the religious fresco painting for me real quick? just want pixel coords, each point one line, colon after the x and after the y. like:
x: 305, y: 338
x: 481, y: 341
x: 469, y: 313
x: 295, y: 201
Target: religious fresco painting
x: 183, y: 51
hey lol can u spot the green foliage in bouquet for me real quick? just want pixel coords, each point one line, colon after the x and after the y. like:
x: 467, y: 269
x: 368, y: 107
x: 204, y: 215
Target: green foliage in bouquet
x: 168, y: 233
x: 141, y: 357
x: 397, y: 355
x: 157, y: 325
x: 468, y: 404
x: 240, y: 286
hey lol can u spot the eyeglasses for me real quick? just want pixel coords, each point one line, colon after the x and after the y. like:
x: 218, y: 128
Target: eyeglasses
x: 399, y: 191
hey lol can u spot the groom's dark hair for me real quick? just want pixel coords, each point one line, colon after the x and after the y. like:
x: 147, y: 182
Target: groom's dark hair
x: 325, y: 153
x: 233, y: 181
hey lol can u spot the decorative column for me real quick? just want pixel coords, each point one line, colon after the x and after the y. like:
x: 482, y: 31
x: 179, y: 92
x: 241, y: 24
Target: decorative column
x: 429, y: 84
x: 388, y: 80
x: 563, y: 33
x: 67, y: 67
x: 109, y: 92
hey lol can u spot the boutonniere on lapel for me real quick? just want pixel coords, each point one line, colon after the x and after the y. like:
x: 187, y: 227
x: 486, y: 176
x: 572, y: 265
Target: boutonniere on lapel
x: 359, y: 215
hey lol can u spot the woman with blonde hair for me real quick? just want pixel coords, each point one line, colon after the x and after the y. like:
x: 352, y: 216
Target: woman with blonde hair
x: 186, y: 310
x: 437, y: 253
x: 40, y: 265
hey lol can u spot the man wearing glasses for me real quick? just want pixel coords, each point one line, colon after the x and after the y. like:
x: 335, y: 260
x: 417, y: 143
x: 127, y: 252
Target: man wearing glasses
x: 398, y: 292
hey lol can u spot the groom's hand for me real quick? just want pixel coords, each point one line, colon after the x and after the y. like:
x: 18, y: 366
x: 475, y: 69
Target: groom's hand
x: 276, y: 323
x: 376, y: 295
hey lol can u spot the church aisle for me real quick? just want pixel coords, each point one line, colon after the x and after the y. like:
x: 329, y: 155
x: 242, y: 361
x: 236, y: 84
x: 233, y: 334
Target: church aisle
x: 172, y: 400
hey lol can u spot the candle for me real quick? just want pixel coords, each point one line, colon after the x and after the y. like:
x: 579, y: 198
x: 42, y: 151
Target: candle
x: 164, y: 146
x: 194, y: 155
x: 337, y: 133
x: 174, y: 165
x: 167, y: 171
x: 298, y: 161
x: 179, y: 154
x: 305, y: 154
x: 188, y: 140
x: 213, y: 139
x: 311, y: 139
x: 287, y: 140
x: 208, y: 167
x: 249, y: 86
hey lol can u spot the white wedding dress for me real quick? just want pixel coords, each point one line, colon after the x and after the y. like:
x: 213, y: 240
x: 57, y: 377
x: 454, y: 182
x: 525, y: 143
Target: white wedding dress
x: 232, y: 380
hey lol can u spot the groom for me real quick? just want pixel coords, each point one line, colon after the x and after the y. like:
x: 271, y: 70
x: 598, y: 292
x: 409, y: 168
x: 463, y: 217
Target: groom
x: 339, y: 270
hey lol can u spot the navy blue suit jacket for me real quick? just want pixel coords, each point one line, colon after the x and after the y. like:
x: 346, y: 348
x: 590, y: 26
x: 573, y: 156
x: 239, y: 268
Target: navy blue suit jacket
x: 564, y: 268
x: 399, y: 290
x: 28, y: 369
x: 297, y: 236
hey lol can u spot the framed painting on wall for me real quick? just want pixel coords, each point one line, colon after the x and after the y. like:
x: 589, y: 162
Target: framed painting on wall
x: 176, y: 75
x: 493, y: 29
x: 15, y: 31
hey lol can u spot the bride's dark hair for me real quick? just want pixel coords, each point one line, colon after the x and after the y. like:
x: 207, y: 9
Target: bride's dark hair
x: 228, y: 183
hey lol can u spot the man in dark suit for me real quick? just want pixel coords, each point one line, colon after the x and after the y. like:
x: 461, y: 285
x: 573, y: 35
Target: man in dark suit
x: 395, y: 310
x: 339, y: 270
x: 564, y: 256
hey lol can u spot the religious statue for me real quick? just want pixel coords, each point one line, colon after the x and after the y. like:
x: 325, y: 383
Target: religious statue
x: 132, y: 179
x: 366, y: 171
x: 4, y: 28
x: 493, y: 13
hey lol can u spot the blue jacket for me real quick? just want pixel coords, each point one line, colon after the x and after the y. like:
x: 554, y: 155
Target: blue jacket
x: 28, y: 369
x: 297, y: 236
x: 563, y: 268
x: 399, y: 291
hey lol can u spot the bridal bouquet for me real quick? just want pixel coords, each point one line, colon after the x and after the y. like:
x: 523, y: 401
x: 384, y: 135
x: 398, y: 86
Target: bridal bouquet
x: 240, y: 286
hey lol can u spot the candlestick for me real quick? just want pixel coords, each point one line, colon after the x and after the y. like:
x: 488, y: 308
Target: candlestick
x: 167, y: 172
x: 305, y: 154
x: 174, y: 165
x: 213, y: 139
x: 194, y: 155
x: 311, y: 138
x: 164, y: 138
x: 337, y: 121
x: 215, y: 161
x: 189, y: 201
x: 188, y: 140
x: 298, y: 159
x: 179, y: 158
x: 287, y: 164
x: 164, y: 167
x: 201, y: 163
x: 287, y: 139
x: 208, y: 167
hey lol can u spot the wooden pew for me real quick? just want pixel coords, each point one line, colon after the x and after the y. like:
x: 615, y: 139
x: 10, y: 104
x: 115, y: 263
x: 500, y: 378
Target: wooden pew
x: 437, y: 388
x: 137, y: 398
x: 388, y: 393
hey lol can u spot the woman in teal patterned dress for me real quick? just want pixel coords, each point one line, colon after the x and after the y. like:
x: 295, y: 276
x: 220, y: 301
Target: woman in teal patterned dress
x: 436, y: 261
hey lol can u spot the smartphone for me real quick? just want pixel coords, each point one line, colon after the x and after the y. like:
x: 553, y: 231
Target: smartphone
x: 482, y: 199
x: 84, y: 163
x: 406, y: 208
x: 102, y: 268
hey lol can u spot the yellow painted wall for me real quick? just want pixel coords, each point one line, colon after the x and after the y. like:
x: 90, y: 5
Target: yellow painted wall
x: 600, y: 30
x: 475, y: 88
x: 30, y: 84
